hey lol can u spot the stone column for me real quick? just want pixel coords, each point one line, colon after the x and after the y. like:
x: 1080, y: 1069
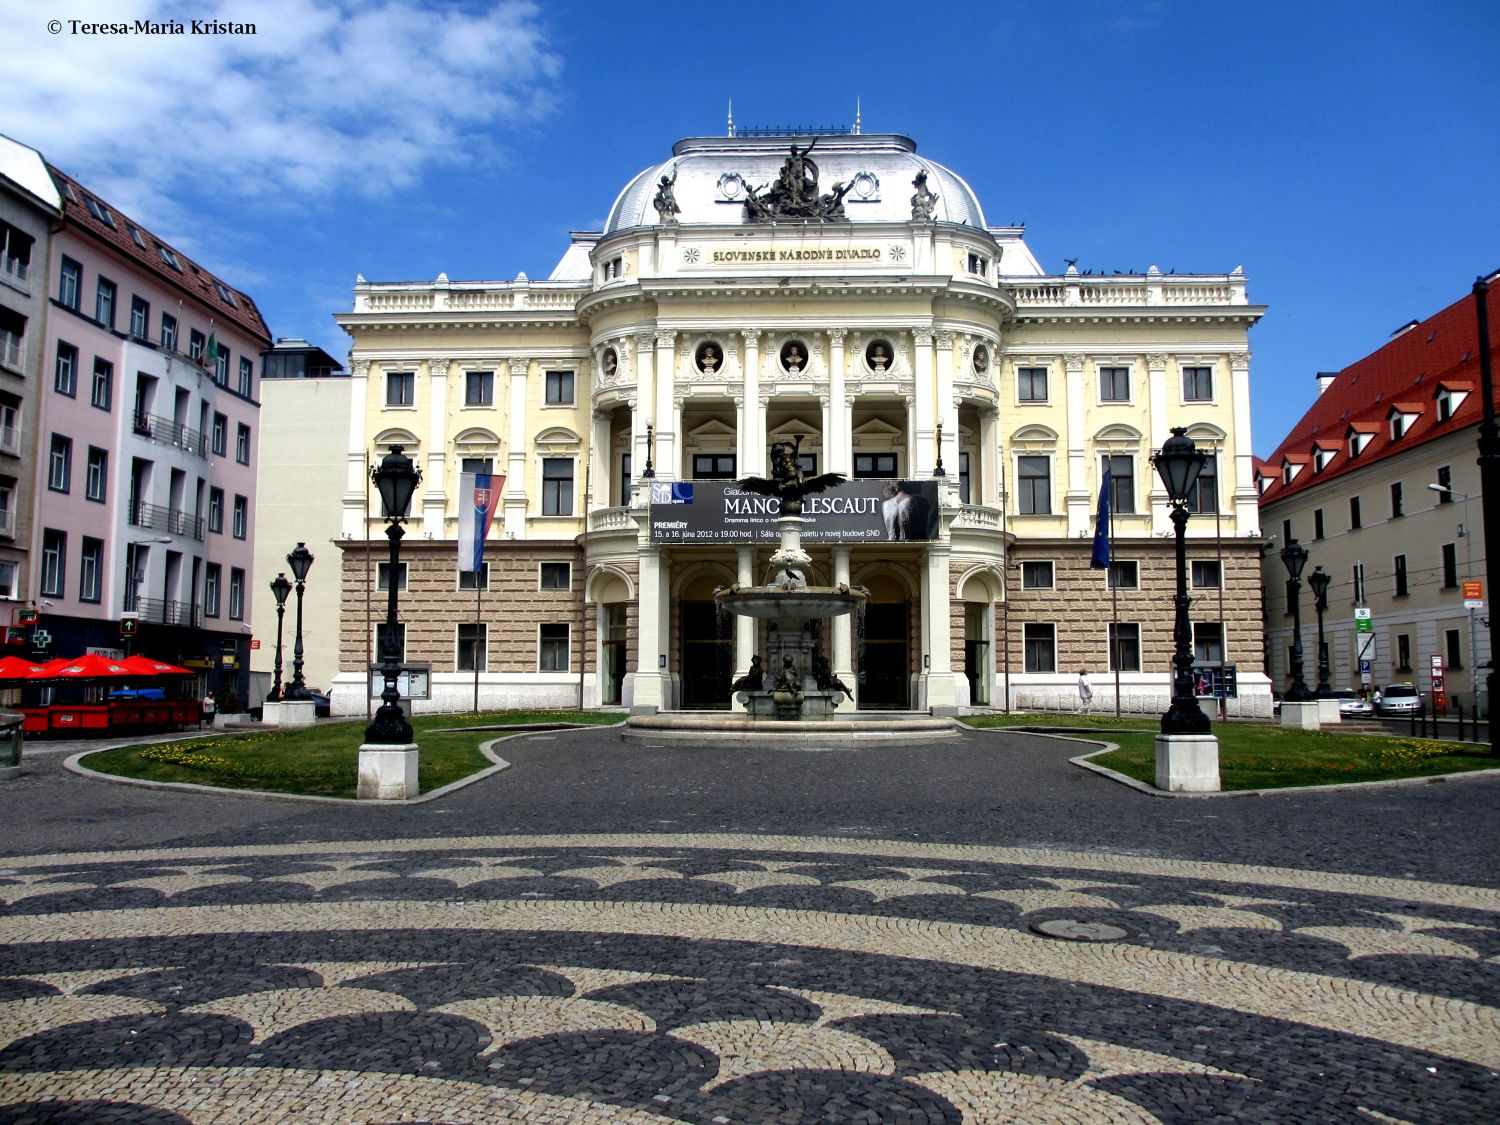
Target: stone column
x: 942, y: 693
x: 1158, y: 404
x: 644, y: 412
x: 603, y: 455
x: 434, y: 479
x: 841, y: 634
x: 649, y: 695
x: 357, y: 487
x: 744, y: 627
x: 988, y: 492
x: 919, y: 450
x: 826, y: 410
x: 1076, y: 496
x: 946, y: 407
x: 753, y: 418
x: 515, y: 472
x: 668, y: 466
x: 1245, y: 496
x: 837, y: 439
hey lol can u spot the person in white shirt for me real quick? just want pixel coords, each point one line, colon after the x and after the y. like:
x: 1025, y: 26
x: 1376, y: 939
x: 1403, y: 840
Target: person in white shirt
x: 1085, y: 692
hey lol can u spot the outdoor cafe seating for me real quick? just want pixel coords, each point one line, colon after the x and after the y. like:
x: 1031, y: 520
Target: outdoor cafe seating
x: 92, y: 695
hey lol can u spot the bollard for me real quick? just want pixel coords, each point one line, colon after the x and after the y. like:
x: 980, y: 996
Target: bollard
x: 1459, y: 707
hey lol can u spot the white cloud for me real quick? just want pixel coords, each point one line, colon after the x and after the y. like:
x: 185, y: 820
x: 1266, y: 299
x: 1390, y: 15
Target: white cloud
x: 329, y: 96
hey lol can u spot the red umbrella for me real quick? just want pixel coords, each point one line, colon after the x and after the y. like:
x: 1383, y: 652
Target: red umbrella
x: 146, y: 666
x: 90, y: 666
x: 17, y: 668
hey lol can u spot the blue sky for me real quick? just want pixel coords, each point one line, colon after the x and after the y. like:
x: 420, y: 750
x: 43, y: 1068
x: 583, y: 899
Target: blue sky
x: 1344, y: 153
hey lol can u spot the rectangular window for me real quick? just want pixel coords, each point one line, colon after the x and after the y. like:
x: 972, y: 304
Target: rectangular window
x: 219, y: 435
x: 552, y: 655
x: 713, y: 466
x: 168, y: 333
x: 399, y: 636
x: 99, y: 211
x: 1124, y: 647
x: 60, y: 464
x: 383, y: 576
x: 54, y: 563
x: 479, y: 388
x: 15, y: 254
x: 625, y: 481
x: 216, y: 510
x: 1286, y: 532
x: 1114, y: 384
x: 221, y: 364
x: 557, y: 486
x: 247, y: 375
x: 1450, y: 566
x: 236, y: 594
x: 1453, y: 648
x: 241, y: 516
x: 1040, y: 643
x: 1121, y: 467
x: 140, y: 318
x: 70, y: 284
x: 104, y: 303
x: 98, y: 474
x: 1197, y: 384
x: 1031, y: 384
x: 1401, y: 590
x: 1208, y: 642
x: 475, y: 579
x: 473, y: 648
x: 7, y: 508
x: 400, y: 388
x: 1034, y: 477
x: 90, y: 570
x: 1207, y: 574
x: 197, y: 344
x: 1356, y: 521
x: 476, y: 465
x: 556, y: 576
x: 1357, y: 575
x: 242, y: 444
x: 963, y: 478
x: 1124, y: 574
x: 8, y: 583
x: 169, y: 257
x: 1036, y: 575
x: 1396, y: 501
x: 874, y: 466
x: 225, y: 295
x: 102, y: 395
x: 1205, y: 494
x: 559, y: 388
x: 1317, y: 523
x: 978, y: 264
x: 1445, y: 481
x: 65, y: 374
x: 1403, y: 652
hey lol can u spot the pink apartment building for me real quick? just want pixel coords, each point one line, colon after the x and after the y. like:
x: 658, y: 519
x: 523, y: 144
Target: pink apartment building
x: 146, y: 448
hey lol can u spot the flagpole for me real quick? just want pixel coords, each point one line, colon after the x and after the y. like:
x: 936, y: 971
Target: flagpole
x: 478, y: 628
x: 1114, y: 608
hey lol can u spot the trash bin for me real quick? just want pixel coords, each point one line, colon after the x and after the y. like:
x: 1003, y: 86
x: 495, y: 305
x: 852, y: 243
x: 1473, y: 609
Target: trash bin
x: 10, y: 743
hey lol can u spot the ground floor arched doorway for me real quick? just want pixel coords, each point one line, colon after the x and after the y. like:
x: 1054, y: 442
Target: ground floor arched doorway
x: 884, y: 655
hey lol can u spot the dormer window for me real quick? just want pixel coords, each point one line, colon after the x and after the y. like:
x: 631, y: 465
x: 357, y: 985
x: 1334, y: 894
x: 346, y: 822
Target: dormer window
x: 1262, y: 483
x: 1321, y: 456
x: 1357, y: 443
x: 1449, y: 398
x: 224, y: 294
x: 99, y: 211
x: 614, y: 269
x: 1289, y: 469
x: 169, y: 257
x: 1402, y: 418
x: 135, y: 236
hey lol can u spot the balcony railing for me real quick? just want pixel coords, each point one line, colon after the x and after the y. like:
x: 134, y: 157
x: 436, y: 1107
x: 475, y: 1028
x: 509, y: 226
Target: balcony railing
x: 172, y: 520
x: 170, y: 432
x: 159, y: 612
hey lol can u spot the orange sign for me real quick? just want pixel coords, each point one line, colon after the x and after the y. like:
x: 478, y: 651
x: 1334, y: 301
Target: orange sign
x: 1473, y: 589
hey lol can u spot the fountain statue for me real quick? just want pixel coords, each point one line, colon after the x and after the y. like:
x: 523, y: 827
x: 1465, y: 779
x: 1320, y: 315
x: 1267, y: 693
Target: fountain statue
x: 794, y: 610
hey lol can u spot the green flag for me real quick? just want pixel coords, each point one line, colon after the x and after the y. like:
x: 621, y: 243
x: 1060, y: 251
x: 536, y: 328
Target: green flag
x: 211, y: 351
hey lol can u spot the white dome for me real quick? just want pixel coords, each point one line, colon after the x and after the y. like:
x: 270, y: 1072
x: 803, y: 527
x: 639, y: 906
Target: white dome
x: 713, y: 172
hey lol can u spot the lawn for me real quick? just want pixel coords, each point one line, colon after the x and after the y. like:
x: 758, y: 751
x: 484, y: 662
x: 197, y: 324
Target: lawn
x: 1253, y: 756
x: 322, y: 760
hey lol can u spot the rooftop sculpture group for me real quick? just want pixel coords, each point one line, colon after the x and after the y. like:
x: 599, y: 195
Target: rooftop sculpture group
x: 795, y: 193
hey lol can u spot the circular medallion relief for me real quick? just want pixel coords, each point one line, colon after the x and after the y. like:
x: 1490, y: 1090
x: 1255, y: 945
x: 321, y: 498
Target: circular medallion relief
x: 794, y: 357
x: 879, y: 356
x: 709, y: 357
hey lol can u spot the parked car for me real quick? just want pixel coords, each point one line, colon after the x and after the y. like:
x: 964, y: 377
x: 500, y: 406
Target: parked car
x: 1399, y: 701
x: 320, y: 704
x: 1354, y: 706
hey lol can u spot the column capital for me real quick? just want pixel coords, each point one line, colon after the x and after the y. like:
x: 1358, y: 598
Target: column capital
x: 666, y: 338
x: 643, y: 341
x: 836, y: 336
x: 359, y: 368
x: 438, y: 365
x: 519, y: 366
x: 1156, y: 361
x: 1073, y: 363
x: 752, y: 336
x: 922, y: 337
x: 1239, y: 362
x: 944, y: 339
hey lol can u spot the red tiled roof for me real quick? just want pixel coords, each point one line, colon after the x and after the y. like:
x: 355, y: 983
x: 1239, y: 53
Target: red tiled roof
x: 1441, y: 352
x: 193, y: 279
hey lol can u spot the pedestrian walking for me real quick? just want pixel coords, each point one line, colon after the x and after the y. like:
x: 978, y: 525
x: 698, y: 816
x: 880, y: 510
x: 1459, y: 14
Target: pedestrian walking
x: 210, y: 708
x: 1085, y: 692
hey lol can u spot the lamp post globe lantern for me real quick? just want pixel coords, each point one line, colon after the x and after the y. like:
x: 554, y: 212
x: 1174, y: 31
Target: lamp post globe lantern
x: 1179, y: 463
x: 396, y: 478
x: 1294, y: 557
x: 300, y: 560
x: 280, y: 589
x: 1318, y: 581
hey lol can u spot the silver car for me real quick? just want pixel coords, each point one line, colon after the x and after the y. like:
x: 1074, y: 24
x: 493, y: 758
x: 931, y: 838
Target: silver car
x: 1354, y: 706
x: 1399, y: 700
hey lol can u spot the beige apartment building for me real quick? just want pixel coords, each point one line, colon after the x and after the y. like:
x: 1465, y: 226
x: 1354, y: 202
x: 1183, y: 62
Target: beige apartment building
x: 846, y: 293
x: 1379, y: 480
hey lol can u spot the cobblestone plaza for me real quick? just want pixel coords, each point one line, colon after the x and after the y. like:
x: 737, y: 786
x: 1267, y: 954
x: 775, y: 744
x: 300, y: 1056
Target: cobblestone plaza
x: 600, y: 934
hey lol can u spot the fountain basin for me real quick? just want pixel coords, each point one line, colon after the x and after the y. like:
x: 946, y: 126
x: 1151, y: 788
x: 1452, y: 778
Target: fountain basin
x: 797, y: 603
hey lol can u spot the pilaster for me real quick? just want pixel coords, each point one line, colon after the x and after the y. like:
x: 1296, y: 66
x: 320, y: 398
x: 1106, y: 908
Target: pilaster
x: 919, y: 448
x: 649, y: 696
x: 1246, y: 502
x: 752, y: 421
x: 357, y: 480
x: 1156, y: 388
x: 946, y: 405
x: 667, y: 464
x: 837, y: 437
x: 942, y: 693
x: 644, y: 413
x: 434, y: 495
x: 515, y: 473
x: 1076, y: 487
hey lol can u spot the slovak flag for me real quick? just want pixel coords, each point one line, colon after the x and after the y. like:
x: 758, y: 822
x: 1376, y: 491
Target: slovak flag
x: 479, y: 498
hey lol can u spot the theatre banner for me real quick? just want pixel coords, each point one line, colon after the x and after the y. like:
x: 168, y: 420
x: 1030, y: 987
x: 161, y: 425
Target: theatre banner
x: 857, y: 511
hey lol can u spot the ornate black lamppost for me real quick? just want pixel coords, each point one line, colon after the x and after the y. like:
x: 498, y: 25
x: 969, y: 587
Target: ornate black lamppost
x: 649, y: 472
x: 1294, y: 555
x: 396, y: 478
x: 1178, y: 463
x: 300, y: 559
x: 1317, y: 581
x: 938, y: 470
x: 280, y: 588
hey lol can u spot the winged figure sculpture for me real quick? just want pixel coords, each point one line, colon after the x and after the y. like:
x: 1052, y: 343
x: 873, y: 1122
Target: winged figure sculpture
x: 787, y: 481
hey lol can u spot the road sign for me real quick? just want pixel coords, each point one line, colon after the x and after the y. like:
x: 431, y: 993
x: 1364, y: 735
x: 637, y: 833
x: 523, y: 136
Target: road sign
x: 1362, y: 621
x: 1364, y: 652
x: 1473, y: 588
x: 1365, y: 668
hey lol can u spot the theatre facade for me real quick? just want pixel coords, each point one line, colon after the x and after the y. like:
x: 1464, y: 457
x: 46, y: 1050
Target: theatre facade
x: 845, y: 294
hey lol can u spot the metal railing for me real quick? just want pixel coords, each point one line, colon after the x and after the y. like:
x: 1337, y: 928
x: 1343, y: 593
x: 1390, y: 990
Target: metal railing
x: 173, y: 520
x: 158, y: 611
x: 170, y: 432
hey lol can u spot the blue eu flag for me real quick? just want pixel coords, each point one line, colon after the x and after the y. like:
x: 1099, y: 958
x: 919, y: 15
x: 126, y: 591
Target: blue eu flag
x: 1100, y: 560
